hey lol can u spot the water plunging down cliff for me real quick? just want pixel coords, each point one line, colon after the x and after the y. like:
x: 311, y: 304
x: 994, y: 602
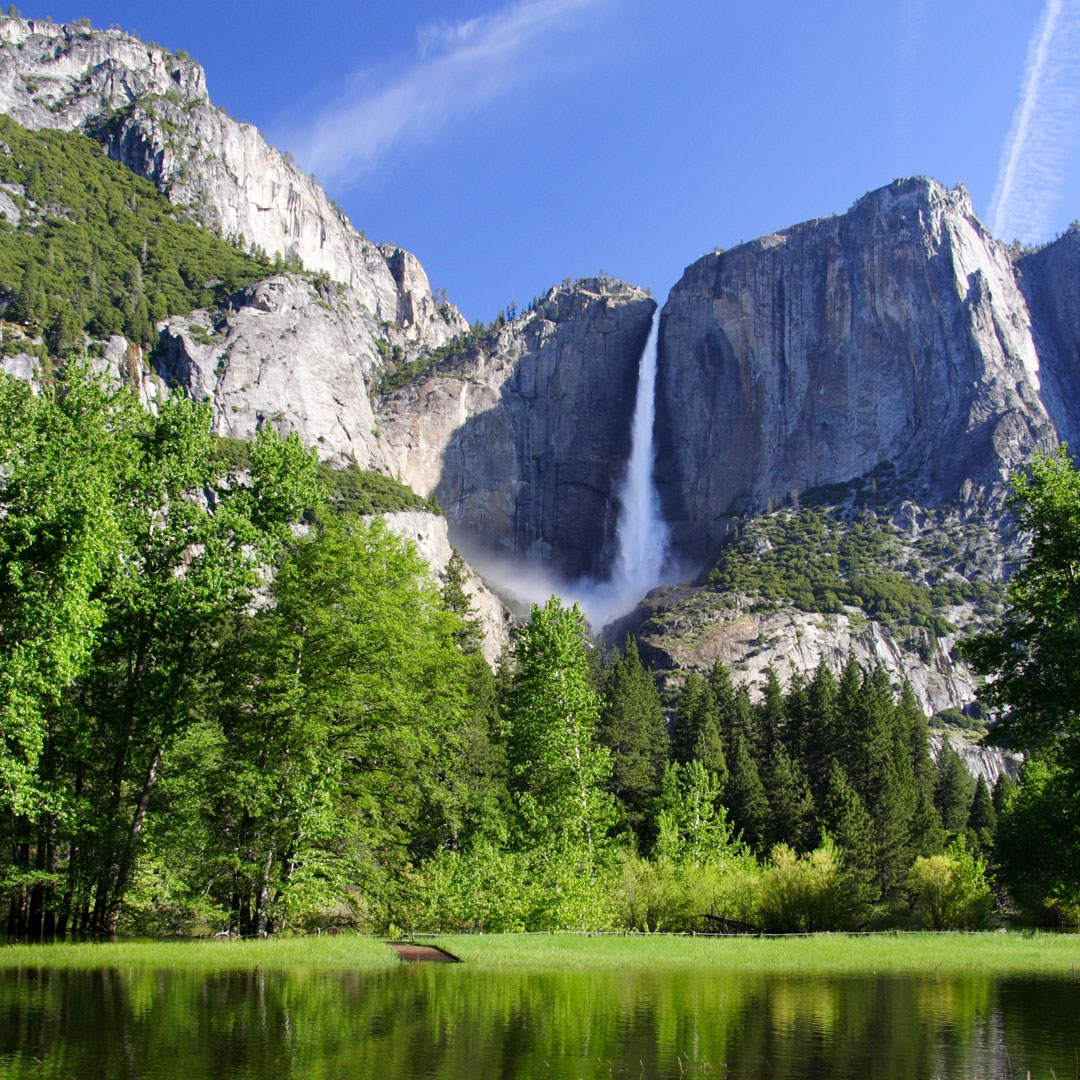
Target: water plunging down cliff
x: 641, y: 534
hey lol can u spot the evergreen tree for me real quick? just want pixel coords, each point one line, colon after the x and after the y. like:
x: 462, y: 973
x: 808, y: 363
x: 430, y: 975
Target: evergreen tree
x: 771, y: 717
x: 1003, y: 787
x: 850, y: 725
x: 790, y: 803
x: 697, y: 734
x: 744, y: 796
x: 632, y: 727
x: 982, y: 821
x: 954, y: 790
x: 843, y: 816
x: 820, y: 737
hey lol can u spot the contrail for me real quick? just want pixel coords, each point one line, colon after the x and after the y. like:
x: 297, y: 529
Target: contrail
x: 1031, y: 171
x: 459, y: 69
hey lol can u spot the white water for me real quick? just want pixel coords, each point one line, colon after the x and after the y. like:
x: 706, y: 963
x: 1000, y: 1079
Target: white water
x: 641, y: 535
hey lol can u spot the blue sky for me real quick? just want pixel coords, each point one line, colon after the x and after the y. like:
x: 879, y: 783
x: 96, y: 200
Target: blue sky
x: 509, y: 145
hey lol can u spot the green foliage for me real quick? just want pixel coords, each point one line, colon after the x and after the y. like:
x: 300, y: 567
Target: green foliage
x: 1038, y: 844
x: 361, y: 491
x: 805, y: 894
x: 346, y: 701
x: 557, y: 772
x: 632, y: 728
x: 821, y: 560
x: 951, y: 890
x: 1036, y: 683
x: 398, y: 372
x: 98, y: 250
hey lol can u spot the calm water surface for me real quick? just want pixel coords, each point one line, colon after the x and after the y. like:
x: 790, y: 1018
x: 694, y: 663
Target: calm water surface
x: 448, y: 1021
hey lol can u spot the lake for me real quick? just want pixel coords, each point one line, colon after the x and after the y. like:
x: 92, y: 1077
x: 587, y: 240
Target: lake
x: 450, y: 1021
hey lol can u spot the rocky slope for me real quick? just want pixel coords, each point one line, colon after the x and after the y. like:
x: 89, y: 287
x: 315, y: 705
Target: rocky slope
x: 151, y: 110
x: 523, y: 436
x: 289, y: 352
x: 896, y: 332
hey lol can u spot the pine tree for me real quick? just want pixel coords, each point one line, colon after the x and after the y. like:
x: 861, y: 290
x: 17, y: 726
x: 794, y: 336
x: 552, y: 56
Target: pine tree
x: 790, y: 803
x: 744, y: 796
x: 820, y: 736
x: 850, y: 725
x: 843, y: 816
x: 954, y: 790
x: 697, y: 733
x: 632, y: 727
x: 1003, y: 788
x: 771, y: 716
x: 982, y: 820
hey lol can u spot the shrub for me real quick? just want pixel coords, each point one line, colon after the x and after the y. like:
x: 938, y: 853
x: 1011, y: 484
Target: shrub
x: 805, y: 893
x: 951, y: 890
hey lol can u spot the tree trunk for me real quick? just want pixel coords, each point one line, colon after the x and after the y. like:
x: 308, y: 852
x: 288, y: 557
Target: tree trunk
x: 127, y: 854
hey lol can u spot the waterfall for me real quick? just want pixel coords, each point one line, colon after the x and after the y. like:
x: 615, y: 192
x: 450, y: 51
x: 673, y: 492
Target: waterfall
x: 641, y: 534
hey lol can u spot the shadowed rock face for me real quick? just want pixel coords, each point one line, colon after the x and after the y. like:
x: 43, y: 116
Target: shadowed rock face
x: 523, y: 438
x: 1050, y: 280
x: 895, y: 332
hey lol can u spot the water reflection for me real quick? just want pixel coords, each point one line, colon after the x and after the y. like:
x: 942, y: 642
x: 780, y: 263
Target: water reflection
x: 444, y: 1021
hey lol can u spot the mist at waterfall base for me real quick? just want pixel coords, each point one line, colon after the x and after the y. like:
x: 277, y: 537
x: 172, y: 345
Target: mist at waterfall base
x: 641, y: 536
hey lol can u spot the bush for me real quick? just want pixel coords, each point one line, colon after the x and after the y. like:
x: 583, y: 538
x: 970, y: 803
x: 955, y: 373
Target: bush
x: 665, y: 896
x: 805, y: 893
x: 951, y: 890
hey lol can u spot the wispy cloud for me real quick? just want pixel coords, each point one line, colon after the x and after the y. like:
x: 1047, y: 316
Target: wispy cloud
x: 1031, y: 171
x: 459, y: 69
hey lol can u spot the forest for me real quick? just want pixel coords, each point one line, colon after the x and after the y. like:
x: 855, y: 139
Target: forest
x: 231, y: 700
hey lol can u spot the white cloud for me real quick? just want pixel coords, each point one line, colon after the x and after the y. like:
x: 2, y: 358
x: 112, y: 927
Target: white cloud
x: 460, y: 69
x: 1031, y: 171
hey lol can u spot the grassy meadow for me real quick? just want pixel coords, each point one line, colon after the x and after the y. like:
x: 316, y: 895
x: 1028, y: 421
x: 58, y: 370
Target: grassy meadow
x: 1011, y: 953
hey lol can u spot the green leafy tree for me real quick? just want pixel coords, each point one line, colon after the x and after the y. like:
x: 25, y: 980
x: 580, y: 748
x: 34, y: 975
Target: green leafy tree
x: 951, y: 889
x: 557, y: 772
x: 345, y: 729
x: 1036, y: 684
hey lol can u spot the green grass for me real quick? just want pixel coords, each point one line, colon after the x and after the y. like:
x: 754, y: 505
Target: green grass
x: 342, y: 952
x: 1016, y: 953
x: 1013, y: 953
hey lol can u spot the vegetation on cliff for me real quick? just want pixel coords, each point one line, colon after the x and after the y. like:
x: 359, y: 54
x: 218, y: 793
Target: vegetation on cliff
x: 97, y: 250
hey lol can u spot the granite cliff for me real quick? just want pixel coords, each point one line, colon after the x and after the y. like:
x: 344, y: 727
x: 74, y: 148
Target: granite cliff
x: 523, y: 436
x: 151, y: 109
x: 896, y: 332
x: 896, y: 344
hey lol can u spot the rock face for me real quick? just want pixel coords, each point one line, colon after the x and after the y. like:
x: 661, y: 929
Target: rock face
x: 1050, y: 280
x: 681, y: 629
x: 896, y: 332
x: 151, y: 110
x: 285, y: 352
x: 986, y: 761
x: 523, y: 437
